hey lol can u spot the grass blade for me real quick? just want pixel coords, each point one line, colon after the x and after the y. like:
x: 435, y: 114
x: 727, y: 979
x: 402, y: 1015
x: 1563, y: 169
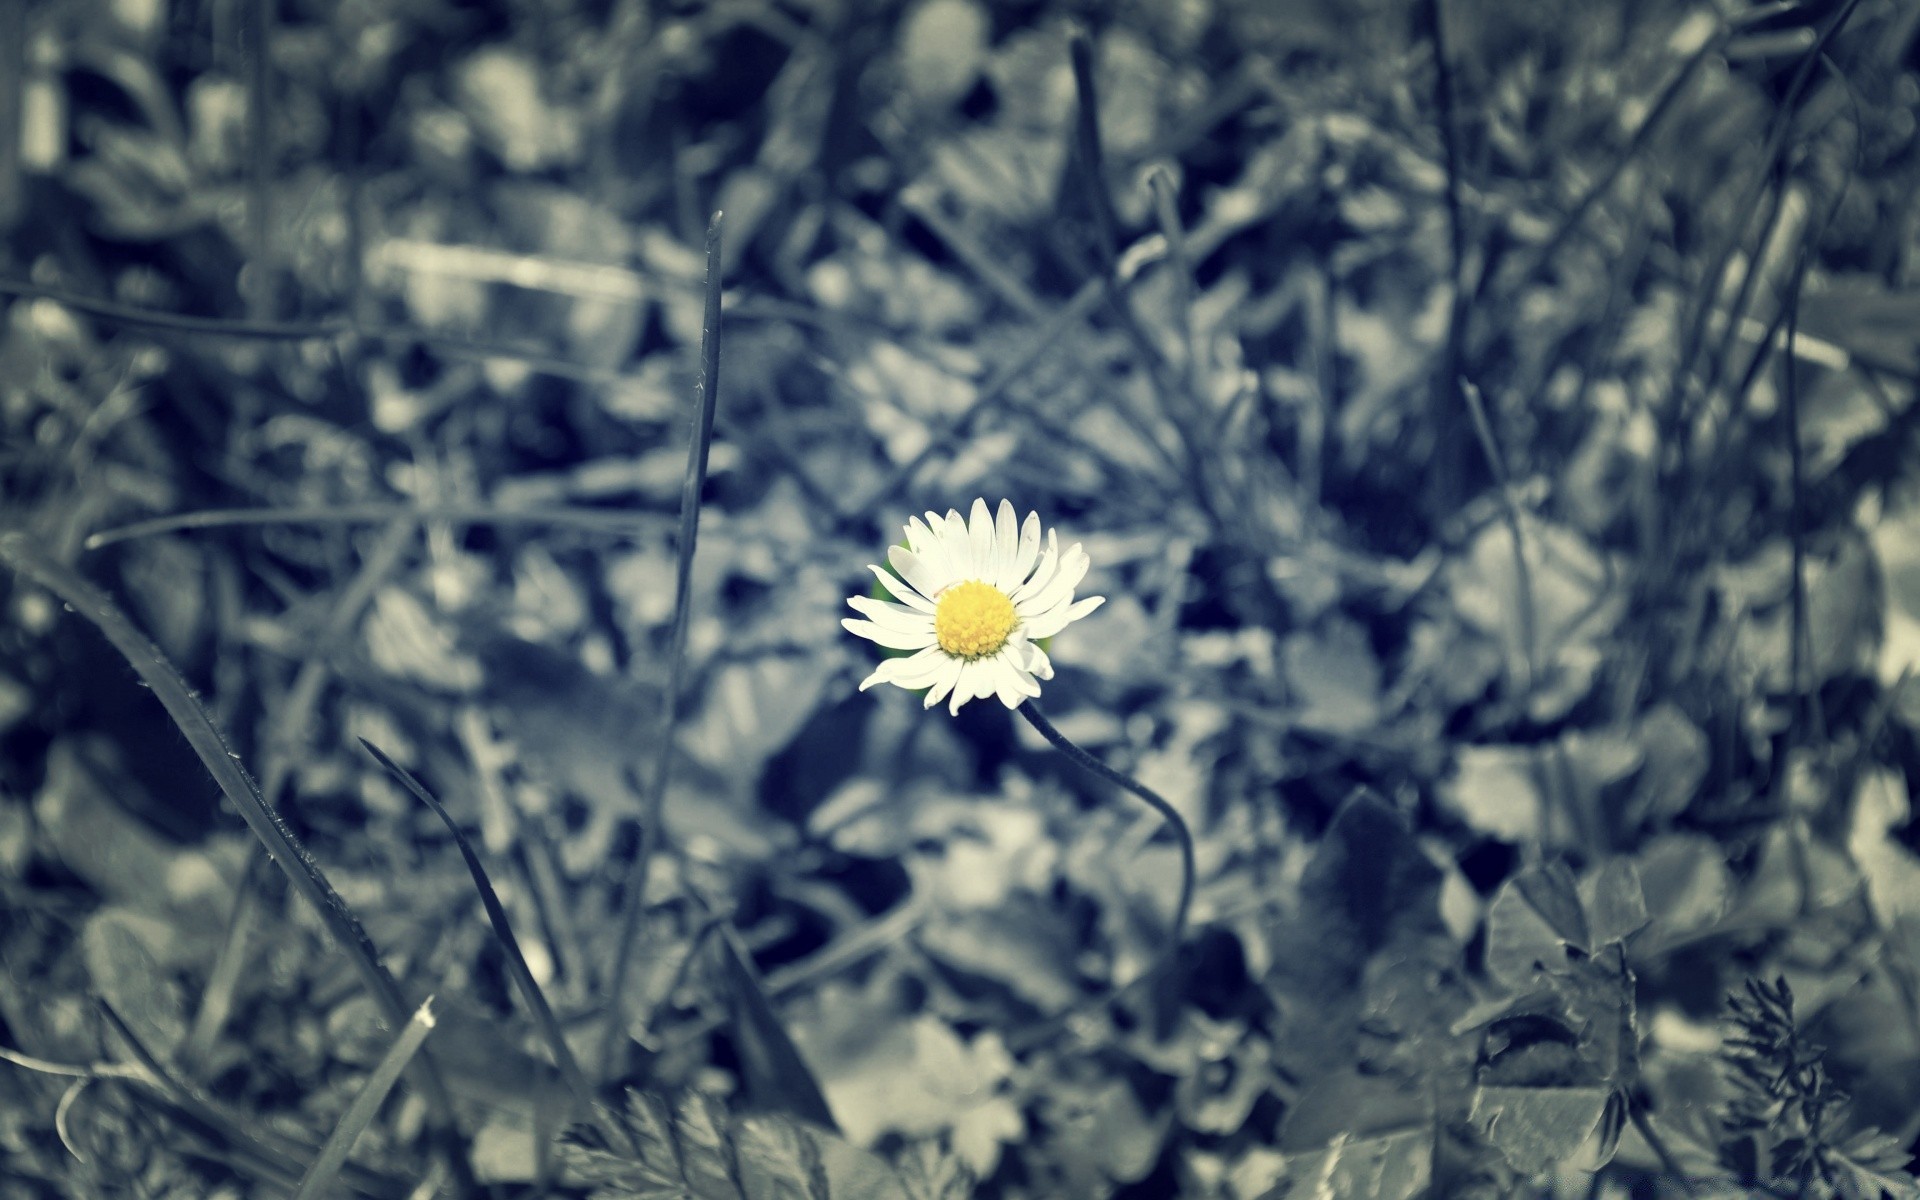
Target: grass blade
x: 651, y: 833
x: 536, y: 1001
x: 333, y: 1155
x: 25, y: 558
x: 589, y: 519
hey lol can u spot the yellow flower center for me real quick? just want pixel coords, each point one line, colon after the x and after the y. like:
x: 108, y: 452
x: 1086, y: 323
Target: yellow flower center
x: 973, y: 619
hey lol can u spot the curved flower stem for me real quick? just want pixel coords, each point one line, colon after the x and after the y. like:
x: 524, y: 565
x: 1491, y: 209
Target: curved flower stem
x: 1154, y: 800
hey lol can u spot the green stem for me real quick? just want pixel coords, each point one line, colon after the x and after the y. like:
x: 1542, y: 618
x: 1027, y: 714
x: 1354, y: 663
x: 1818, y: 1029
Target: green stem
x: 1154, y: 800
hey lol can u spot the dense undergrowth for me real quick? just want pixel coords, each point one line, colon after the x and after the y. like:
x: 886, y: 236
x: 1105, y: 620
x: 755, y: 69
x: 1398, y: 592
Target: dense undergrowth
x: 1492, y: 426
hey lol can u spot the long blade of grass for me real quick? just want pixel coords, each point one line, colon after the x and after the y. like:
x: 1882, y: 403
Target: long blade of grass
x: 595, y: 519
x: 1087, y: 143
x: 25, y: 558
x: 333, y: 1154
x: 651, y: 833
x: 289, y: 731
x: 530, y: 992
x: 264, y: 1153
x: 1642, y: 134
x: 223, y: 981
x: 257, y: 284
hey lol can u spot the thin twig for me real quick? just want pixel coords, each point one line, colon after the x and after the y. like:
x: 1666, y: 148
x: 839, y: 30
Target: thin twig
x: 1711, y: 284
x: 1510, y: 509
x: 993, y: 392
x: 1202, y: 469
x: 1452, y: 366
x: 332, y: 329
x: 651, y: 831
x: 1166, y: 212
x: 1801, y: 636
x: 129, y: 314
x: 1641, y: 134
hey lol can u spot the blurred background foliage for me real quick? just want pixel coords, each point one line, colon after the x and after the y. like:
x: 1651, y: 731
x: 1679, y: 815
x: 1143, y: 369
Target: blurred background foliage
x: 1493, y: 427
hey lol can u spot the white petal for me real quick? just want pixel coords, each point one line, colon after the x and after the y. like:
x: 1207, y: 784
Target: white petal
x: 905, y: 672
x: 980, y: 535
x: 953, y: 545
x: 1038, y: 663
x: 919, y: 537
x: 891, y: 616
x: 1073, y: 568
x: 1041, y: 574
x: 967, y: 687
x: 1012, y: 684
x: 944, y: 683
x: 925, y: 576
x: 893, y: 639
x: 929, y: 544
x: 900, y: 590
x: 915, y: 671
x: 1006, y: 546
x: 1059, y: 617
x: 1023, y: 559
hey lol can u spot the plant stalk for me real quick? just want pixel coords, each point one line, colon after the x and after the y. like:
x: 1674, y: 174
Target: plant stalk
x: 1154, y: 800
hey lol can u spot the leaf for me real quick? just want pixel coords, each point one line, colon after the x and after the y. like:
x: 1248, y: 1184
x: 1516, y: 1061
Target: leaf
x: 888, y: 1068
x: 1797, y: 874
x: 1369, y: 881
x: 1349, y: 1104
x: 1017, y: 945
x: 1101, y: 1131
x: 1892, y: 871
x: 1685, y: 882
x: 1531, y: 924
x: 930, y: 1175
x: 1566, y: 600
x: 1336, y: 677
x: 1551, y: 891
x: 1871, y: 1164
x: 1673, y: 754
x: 1896, y: 543
x: 1537, y: 1128
x: 1615, y: 906
x: 777, y: 1158
x: 499, y: 88
x: 775, y: 1074
x: 1369, y: 886
x: 1494, y: 790
x: 690, y: 1149
x: 1395, y: 1166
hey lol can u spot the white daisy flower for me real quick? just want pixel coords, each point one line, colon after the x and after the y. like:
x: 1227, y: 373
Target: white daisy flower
x: 975, y: 595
